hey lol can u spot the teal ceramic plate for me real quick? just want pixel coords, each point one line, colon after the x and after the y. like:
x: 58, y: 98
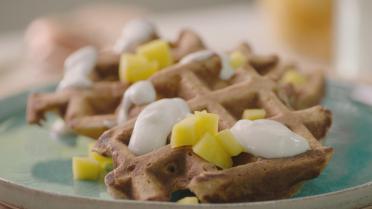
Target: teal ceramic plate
x: 36, y: 167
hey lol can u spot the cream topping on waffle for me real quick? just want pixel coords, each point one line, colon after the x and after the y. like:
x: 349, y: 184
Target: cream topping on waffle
x: 154, y: 124
x: 268, y: 138
x: 77, y: 68
x: 59, y: 128
x: 226, y: 71
x: 134, y: 33
x: 197, y: 56
x: 140, y: 93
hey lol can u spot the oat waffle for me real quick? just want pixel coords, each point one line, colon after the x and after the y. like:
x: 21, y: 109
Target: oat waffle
x: 90, y: 111
x: 299, y: 97
x: 155, y: 175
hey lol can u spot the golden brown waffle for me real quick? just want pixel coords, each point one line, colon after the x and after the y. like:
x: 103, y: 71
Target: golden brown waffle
x: 92, y: 111
x: 155, y: 175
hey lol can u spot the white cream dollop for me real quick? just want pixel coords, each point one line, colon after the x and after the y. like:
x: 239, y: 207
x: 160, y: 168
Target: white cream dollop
x: 142, y: 92
x: 60, y: 129
x: 226, y: 71
x: 268, y: 139
x: 197, y: 56
x: 77, y: 68
x: 135, y: 32
x: 155, y: 123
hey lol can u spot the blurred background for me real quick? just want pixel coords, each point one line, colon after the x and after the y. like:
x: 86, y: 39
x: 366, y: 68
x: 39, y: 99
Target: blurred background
x: 36, y: 35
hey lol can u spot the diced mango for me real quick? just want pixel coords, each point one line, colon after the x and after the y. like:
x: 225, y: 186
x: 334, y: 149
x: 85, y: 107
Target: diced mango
x: 105, y: 162
x: 188, y: 201
x: 293, y: 77
x: 211, y: 150
x: 158, y: 51
x: 206, y: 123
x: 254, y: 114
x: 183, y: 133
x: 84, y: 168
x: 229, y: 143
x: 134, y: 68
x: 237, y: 59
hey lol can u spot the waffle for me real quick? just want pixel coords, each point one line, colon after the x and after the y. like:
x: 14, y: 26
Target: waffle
x: 299, y: 97
x: 91, y: 111
x: 156, y: 175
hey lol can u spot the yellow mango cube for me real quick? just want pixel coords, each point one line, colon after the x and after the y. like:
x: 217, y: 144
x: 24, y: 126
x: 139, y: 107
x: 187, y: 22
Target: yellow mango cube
x: 105, y: 162
x: 158, y: 51
x: 183, y: 133
x: 133, y: 68
x: 211, y: 150
x: 293, y: 77
x: 254, y: 114
x: 229, y: 143
x: 206, y: 123
x: 84, y: 168
x: 188, y: 201
x: 237, y: 59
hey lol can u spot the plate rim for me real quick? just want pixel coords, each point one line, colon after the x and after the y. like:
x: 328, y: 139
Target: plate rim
x: 122, y: 201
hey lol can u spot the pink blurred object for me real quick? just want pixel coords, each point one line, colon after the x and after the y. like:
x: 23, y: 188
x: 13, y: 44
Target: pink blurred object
x: 51, y: 39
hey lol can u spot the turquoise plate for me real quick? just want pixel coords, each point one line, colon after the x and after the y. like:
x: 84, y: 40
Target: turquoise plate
x: 34, y: 165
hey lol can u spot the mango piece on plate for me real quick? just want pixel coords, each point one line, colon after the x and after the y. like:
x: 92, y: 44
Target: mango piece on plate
x: 133, y: 68
x: 205, y: 123
x: 84, y: 168
x: 183, y: 133
x: 229, y: 143
x: 188, y: 201
x: 293, y: 77
x: 254, y: 114
x: 212, y: 151
x: 158, y: 51
x: 237, y: 59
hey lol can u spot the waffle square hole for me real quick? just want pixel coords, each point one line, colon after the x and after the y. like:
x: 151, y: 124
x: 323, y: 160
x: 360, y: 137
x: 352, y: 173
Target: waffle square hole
x: 213, y: 81
x: 237, y: 106
x: 169, y: 88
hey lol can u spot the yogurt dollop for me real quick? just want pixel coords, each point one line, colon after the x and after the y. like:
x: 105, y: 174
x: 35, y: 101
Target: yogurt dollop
x: 155, y: 123
x: 197, y: 56
x: 226, y: 71
x: 268, y: 139
x: 77, y: 68
x: 134, y: 33
x: 142, y: 92
x: 59, y: 128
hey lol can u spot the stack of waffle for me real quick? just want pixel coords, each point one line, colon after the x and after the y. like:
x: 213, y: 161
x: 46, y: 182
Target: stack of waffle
x: 156, y: 175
